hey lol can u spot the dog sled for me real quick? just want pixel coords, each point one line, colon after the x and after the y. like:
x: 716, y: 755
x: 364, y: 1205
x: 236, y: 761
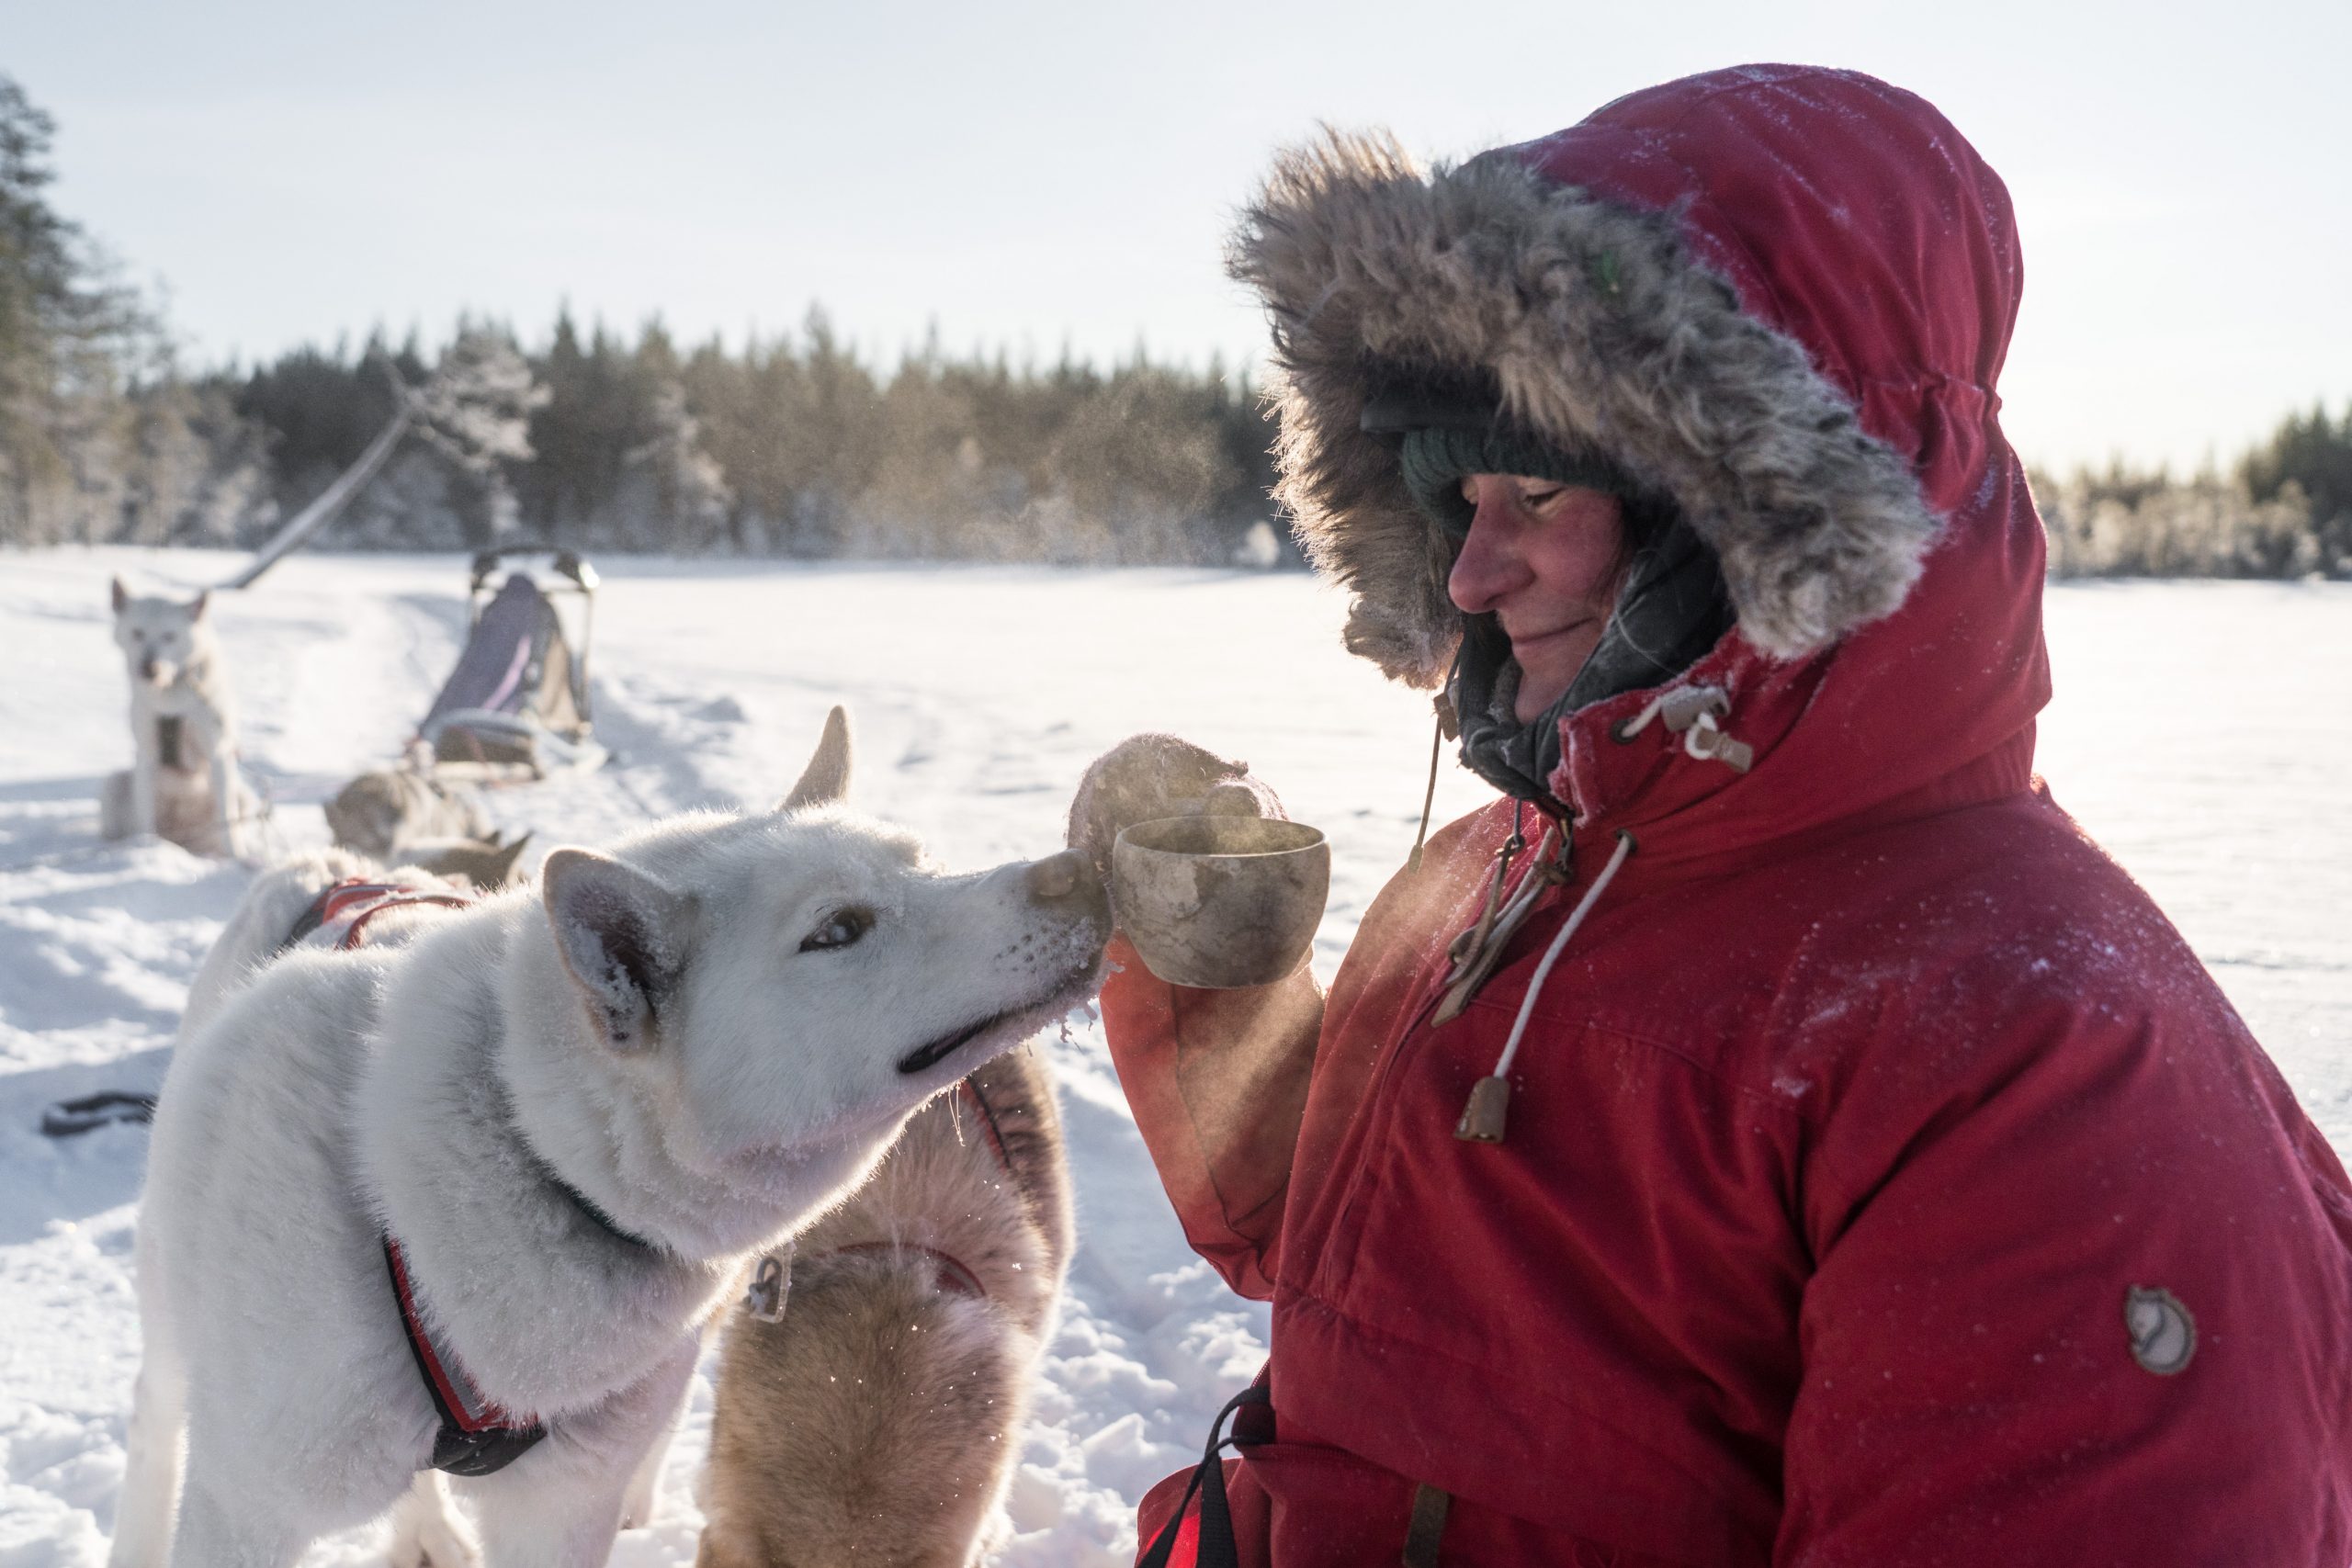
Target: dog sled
x: 516, y: 706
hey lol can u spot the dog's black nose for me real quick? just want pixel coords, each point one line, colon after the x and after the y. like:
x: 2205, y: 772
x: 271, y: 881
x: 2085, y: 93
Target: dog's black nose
x: 1066, y: 878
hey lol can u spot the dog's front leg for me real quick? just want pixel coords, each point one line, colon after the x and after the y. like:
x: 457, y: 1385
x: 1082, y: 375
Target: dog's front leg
x: 426, y: 1531
x: 215, y: 1534
x: 560, y: 1506
x: 228, y: 802
x: 151, y: 1471
x: 645, y: 1484
x: 216, y: 740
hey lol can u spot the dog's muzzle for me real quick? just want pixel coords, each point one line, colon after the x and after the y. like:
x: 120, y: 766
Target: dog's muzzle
x: 1066, y: 885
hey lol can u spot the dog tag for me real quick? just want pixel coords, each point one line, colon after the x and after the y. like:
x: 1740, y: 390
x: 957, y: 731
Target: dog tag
x: 771, y: 1286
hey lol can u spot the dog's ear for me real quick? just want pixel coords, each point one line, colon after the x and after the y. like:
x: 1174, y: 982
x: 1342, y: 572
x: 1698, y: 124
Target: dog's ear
x: 121, y: 596
x: 622, y: 935
x: 498, y: 870
x: 195, y: 611
x: 826, y: 778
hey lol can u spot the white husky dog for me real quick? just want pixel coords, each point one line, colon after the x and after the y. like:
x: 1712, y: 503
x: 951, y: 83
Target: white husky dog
x: 473, y: 1198
x: 184, y: 783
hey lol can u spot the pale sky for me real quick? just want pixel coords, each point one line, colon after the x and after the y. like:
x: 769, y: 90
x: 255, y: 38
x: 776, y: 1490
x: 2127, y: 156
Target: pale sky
x: 1033, y: 174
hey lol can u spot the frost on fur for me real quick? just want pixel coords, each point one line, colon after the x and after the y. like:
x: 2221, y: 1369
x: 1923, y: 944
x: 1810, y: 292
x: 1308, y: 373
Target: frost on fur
x: 620, y: 933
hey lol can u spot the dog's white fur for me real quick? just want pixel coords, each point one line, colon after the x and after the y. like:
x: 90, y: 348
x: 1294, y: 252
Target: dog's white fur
x: 196, y: 799
x: 257, y: 928
x: 667, y: 1030
x: 425, y: 1530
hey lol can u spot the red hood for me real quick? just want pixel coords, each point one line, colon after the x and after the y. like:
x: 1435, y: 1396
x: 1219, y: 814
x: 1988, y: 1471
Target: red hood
x: 1850, y: 215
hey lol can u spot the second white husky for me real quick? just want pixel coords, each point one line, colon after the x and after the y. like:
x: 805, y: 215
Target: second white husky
x: 184, y: 783
x: 471, y: 1199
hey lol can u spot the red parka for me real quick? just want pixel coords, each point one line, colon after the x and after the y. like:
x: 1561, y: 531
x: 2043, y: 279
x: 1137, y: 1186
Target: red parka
x: 1885, y: 1181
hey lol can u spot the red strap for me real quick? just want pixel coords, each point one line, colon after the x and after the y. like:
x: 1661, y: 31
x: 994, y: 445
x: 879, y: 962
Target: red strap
x: 460, y: 1402
x: 340, y: 900
x: 403, y: 898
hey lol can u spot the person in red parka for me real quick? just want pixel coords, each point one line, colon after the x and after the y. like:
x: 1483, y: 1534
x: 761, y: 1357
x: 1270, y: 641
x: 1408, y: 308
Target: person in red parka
x: 1770, y: 1132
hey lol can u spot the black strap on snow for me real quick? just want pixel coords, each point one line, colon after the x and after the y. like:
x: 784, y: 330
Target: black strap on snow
x: 1216, y: 1547
x: 69, y: 1117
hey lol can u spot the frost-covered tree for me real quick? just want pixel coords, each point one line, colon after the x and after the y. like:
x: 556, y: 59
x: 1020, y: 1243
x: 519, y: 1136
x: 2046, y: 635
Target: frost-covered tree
x: 2311, y: 454
x: 691, y: 496
x: 68, y: 332
x: 476, y: 411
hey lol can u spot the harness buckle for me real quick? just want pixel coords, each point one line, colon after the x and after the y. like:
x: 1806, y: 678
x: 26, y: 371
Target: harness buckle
x: 771, y: 1286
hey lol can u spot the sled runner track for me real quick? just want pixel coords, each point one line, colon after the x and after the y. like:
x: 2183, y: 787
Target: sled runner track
x: 419, y: 611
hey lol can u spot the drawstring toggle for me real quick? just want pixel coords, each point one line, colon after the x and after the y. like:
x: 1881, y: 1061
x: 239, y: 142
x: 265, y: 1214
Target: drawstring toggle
x: 1483, y: 1116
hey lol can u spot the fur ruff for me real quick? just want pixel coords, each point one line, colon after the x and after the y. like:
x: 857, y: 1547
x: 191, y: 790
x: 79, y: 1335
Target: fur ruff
x: 1601, y: 333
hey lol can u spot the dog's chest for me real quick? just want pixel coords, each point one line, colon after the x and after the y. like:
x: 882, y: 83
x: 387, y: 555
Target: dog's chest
x: 179, y: 742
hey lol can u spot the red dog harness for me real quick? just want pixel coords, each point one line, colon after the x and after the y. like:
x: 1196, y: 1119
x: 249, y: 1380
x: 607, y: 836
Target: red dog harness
x: 477, y: 1435
x: 343, y: 910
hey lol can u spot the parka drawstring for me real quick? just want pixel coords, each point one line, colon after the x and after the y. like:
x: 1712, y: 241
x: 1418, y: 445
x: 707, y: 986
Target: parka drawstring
x: 1489, y: 1103
x: 1428, y: 796
x: 1476, y: 951
x: 1447, y: 729
x: 1692, y: 712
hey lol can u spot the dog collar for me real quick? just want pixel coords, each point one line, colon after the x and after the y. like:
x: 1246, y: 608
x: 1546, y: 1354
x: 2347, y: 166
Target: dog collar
x: 590, y: 1210
x: 478, y: 1436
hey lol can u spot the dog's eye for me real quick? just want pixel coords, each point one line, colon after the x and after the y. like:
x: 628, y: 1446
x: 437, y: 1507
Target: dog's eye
x: 839, y: 929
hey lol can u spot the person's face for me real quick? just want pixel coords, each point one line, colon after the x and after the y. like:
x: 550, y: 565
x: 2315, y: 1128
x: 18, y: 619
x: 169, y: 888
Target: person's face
x: 1543, y: 558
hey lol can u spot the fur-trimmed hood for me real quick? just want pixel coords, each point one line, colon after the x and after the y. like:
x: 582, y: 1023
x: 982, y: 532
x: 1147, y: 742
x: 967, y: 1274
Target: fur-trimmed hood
x: 1765, y: 292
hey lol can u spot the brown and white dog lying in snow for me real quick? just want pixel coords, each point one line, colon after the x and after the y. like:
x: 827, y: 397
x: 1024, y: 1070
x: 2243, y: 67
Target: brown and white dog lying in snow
x: 879, y: 1417
x: 403, y: 816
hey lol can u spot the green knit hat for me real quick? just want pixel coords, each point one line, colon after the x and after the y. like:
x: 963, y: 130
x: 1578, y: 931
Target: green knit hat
x: 1447, y: 425
x: 1434, y: 459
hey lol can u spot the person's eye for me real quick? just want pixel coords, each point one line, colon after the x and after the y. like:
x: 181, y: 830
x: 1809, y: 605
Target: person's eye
x: 840, y: 929
x: 1542, y: 498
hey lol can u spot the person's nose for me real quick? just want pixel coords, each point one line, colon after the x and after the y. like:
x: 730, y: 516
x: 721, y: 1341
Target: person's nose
x: 1489, y: 565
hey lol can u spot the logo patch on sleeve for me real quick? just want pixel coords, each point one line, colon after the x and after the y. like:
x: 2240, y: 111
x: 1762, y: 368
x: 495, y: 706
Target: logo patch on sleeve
x: 2163, y: 1333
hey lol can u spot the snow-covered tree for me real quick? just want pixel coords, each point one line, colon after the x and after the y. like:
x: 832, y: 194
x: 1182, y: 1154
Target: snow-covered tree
x: 476, y: 411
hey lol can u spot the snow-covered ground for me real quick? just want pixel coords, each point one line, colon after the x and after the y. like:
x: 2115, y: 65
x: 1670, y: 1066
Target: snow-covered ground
x: 2203, y: 732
